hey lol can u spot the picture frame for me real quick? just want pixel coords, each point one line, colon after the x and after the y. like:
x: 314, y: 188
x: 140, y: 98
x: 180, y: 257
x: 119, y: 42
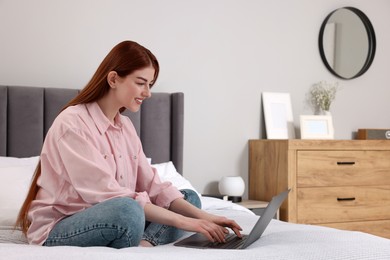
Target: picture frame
x: 316, y: 127
x: 278, y: 115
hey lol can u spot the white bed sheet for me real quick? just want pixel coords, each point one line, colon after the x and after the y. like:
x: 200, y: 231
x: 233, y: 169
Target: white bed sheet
x: 281, y: 240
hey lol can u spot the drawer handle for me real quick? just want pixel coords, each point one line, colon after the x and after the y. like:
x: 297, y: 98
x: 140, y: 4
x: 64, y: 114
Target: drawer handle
x: 345, y: 163
x: 346, y: 199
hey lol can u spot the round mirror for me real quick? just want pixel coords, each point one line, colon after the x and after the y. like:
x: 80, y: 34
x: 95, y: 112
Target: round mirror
x: 347, y: 42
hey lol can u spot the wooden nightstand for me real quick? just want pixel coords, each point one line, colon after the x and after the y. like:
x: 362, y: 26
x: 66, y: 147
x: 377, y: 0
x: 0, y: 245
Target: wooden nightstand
x: 256, y: 206
x: 343, y: 184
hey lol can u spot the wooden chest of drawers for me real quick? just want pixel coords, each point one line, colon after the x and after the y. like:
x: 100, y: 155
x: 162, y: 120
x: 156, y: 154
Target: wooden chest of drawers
x: 337, y: 183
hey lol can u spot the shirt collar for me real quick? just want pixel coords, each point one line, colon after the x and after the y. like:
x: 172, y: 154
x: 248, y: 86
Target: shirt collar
x: 101, y: 121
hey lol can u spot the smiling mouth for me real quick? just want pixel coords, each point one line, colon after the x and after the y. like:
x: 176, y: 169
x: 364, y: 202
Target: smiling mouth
x: 139, y: 101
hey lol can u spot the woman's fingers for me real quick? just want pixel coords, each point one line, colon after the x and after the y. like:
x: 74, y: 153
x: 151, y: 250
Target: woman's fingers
x: 237, y: 232
x: 230, y: 224
x: 236, y: 228
x: 215, y: 232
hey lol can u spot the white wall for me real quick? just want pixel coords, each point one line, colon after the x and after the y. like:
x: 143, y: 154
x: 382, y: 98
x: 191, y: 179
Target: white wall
x: 222, y: 54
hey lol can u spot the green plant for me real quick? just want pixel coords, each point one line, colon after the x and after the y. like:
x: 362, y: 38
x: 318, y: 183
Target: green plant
x: 323, y: 94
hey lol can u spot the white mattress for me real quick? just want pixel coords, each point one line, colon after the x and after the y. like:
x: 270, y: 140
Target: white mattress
x: 281, y: 240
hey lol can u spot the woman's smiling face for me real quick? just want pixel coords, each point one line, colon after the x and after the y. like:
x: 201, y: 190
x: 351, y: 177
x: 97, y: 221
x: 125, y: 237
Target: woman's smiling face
x: 132, y: 90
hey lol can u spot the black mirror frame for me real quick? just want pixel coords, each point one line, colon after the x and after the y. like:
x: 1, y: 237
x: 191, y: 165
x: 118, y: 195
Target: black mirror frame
x: 371, y: 42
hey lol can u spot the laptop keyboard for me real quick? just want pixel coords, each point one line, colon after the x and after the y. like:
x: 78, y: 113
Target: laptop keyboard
x: 232, y: 241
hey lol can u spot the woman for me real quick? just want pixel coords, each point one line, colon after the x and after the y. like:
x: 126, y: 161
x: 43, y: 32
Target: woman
x: 93, y: 185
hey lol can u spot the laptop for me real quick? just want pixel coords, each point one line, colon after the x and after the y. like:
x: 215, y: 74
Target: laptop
x: 232, y: 241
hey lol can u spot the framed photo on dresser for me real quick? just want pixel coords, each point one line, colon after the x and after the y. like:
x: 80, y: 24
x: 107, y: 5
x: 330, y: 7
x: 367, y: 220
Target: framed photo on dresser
x: 316, y: 127
x: 279, y: 123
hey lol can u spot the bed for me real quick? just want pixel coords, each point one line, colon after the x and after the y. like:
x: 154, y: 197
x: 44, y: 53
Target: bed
x: 26, y: 114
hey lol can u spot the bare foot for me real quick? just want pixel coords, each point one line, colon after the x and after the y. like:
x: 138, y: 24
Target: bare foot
x: 145, y: 243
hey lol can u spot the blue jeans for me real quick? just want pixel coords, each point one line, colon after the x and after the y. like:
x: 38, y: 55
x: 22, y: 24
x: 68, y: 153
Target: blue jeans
x: 117, y: 223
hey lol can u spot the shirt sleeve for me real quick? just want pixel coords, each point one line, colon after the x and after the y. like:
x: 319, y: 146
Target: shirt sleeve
x: 160, y: 193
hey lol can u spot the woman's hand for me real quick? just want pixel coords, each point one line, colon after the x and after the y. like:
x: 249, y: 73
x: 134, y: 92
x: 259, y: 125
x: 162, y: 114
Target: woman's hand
x: 213, y: 231
x: 212, y: 226
x: 225, y: 222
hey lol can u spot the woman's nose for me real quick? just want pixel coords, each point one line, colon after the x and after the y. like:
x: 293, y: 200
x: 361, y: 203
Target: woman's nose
x: 147, y: 93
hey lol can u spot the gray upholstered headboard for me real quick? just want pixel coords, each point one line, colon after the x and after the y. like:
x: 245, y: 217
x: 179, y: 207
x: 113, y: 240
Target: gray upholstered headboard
x: 26, y: 114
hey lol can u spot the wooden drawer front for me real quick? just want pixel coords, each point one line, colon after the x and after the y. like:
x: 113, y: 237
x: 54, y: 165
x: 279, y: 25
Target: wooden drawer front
x: 343, y: 204
x: 378, y: 227
x: 340, y: 168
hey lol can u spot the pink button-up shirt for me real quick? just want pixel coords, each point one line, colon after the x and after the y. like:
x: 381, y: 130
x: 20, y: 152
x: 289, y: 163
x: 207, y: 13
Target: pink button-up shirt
x: 85, y: 160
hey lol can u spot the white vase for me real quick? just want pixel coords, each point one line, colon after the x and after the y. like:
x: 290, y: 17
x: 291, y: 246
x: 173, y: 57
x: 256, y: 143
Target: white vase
x: 231, y: 186
x: 328, y: 113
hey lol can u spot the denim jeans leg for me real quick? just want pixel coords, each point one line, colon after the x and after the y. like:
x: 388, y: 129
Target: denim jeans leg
x: 158, y: 234
x: 116, y: 223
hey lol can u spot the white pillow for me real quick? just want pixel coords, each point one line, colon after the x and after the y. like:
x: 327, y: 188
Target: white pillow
x: 14, y: 161
x: 167, y: 172
x: 15, y: 178
x: 210, y: 203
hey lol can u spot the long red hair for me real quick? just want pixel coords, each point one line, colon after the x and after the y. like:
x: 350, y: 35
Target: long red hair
x: 124, y: 58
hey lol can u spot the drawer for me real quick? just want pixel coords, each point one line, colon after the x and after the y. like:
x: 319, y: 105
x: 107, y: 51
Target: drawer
x: 343, y: 204
x: 342, y: 168
x: 378, y: 227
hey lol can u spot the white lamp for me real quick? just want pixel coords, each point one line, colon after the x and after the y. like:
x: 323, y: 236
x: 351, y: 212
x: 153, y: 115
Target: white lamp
x: 233, y: 187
